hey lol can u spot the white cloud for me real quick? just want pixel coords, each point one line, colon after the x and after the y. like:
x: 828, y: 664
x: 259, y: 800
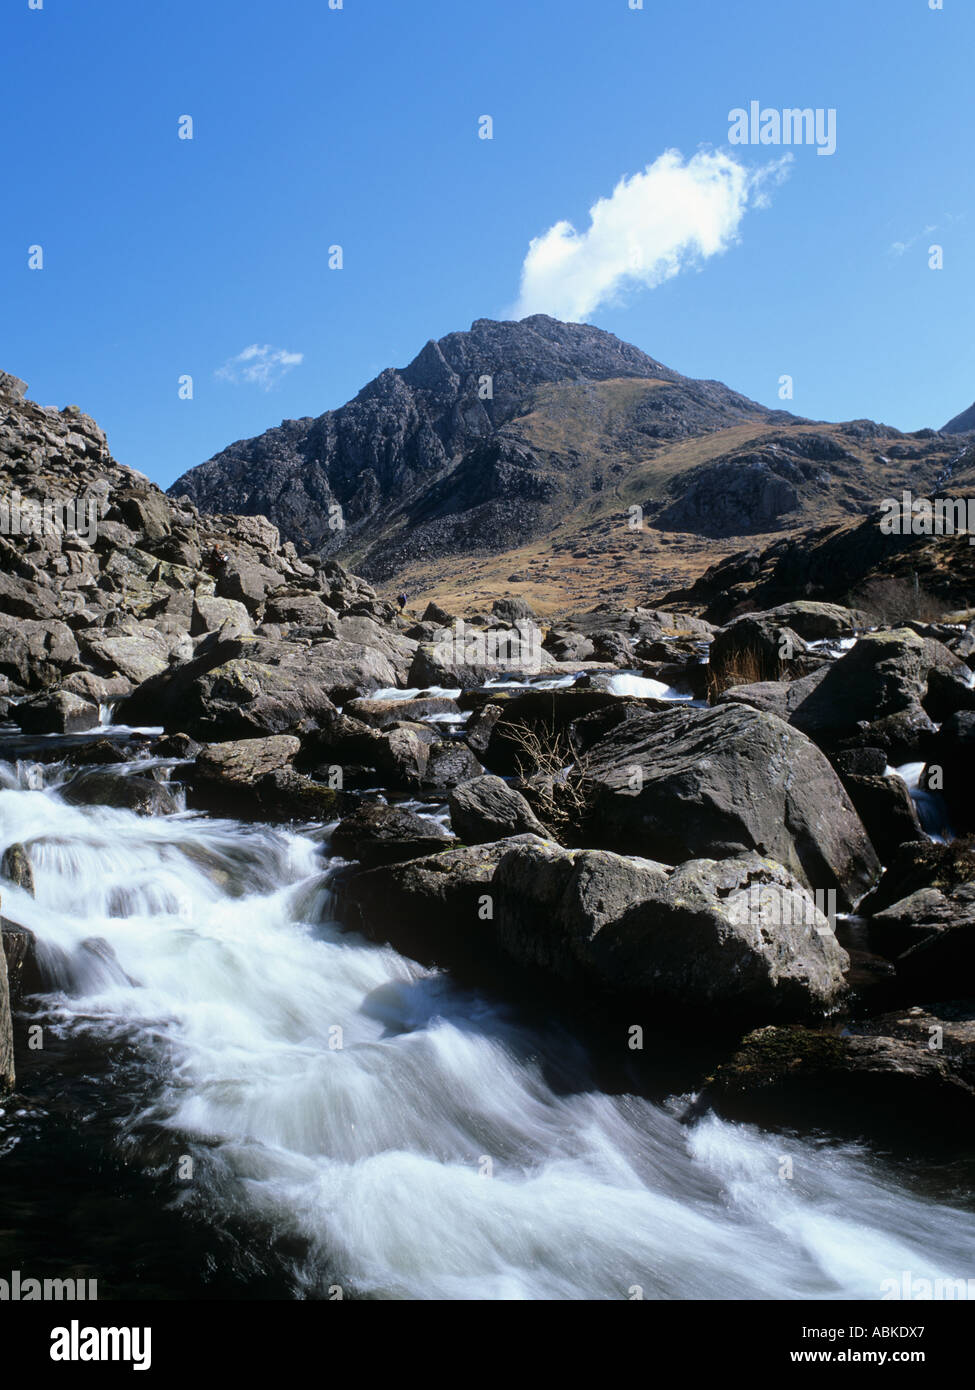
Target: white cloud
x: 259, y: 366
x: 654, y: 225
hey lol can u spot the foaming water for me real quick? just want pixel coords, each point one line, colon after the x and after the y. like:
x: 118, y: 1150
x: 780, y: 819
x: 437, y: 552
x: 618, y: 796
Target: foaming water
x: 402, y: 1137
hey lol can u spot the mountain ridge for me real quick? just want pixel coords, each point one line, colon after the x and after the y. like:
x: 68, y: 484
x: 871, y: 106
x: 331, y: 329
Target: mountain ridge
x: 502, y: 448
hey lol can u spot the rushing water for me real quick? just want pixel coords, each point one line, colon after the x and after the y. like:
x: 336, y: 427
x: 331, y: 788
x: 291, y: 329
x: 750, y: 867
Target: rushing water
x: 451, y: 1147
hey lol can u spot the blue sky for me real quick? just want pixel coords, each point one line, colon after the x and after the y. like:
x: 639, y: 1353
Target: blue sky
x: 359, y: 127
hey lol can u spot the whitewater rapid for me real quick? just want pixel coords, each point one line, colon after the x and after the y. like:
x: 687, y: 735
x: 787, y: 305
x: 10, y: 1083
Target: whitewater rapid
x: 409, y: 1138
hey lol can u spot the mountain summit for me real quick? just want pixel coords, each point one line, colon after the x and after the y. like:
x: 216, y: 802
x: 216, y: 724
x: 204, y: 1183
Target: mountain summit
x: 475, y: 439
x: 525, y: 443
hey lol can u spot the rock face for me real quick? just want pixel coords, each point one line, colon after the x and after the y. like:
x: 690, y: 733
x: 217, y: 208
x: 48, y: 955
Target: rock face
x: 692, y: 783
x: 125, y: 593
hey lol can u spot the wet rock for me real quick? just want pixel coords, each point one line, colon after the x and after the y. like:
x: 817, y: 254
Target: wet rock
x: 439, y: 902
x: 60, y: 712
x: 287, y: 795
x: 485, y: 809
x: 140, y: 794
x: 16, y: 868
x: 862, y: 1082
x: 381, y: 713
x: 24, y: 973
x: 99, y: 751
x: 376, y: 835
x: 175, y: 746
x: 8, y: 1075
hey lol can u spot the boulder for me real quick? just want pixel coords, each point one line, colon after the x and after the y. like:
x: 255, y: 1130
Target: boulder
x: 486, y: 809
x: 873, y: 694
x: 862, y: 1082
x: 513, y: 610
x: 376, y: 834
x: 140, y: 794
x: 253, y: 778
x: 817, y: 622
x: 381, y: 713
x: 440, y: 904
x: 239, y: 761
x: 887, y: 810
x: 59, y: 712
x: 36, y: 654
x: 472, y: 660
x: 690, y: 783
x: 16, y: 868
x: 260, y: 687
x: 449, y: 762
x: 740, y: 936
x: 209, y: 615
x: 135, y: 656
x: 953, y: 753
x: 755, y: 648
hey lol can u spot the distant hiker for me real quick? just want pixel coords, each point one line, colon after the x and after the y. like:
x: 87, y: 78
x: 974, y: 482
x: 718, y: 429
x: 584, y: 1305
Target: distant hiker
x: 216, y: 559
x: 402, y: 601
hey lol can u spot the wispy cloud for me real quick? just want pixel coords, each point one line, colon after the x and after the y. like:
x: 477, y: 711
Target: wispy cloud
x: 898, y: 248
x: 259, y: 366
x: 673, y: 215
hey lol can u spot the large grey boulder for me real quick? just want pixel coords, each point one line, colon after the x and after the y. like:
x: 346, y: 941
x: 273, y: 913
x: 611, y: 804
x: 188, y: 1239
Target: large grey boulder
x: 690, y: 783
x: 874, y: 693
x: 486, y: 809
x: 740, y: 935
x: 815, y: 622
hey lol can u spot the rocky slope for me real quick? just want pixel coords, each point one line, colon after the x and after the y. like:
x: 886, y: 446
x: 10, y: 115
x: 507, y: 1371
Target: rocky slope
x: 963, y: 423
x: 457, y: 495
x: 648, y: 815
